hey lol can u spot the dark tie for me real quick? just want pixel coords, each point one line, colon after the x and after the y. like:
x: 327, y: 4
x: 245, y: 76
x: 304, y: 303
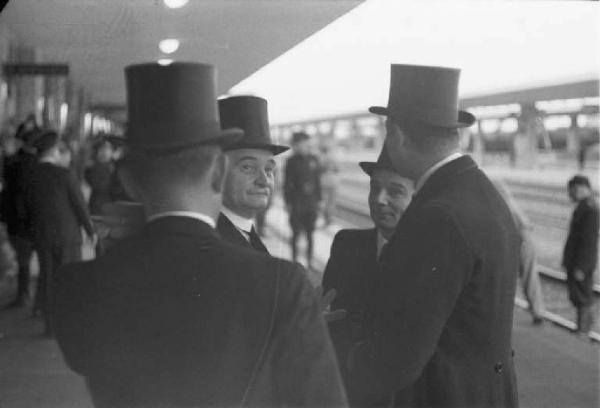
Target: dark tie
x: 256, y: 243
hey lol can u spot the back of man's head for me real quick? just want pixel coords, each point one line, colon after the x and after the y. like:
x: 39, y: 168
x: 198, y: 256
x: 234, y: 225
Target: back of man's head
x: 431, y: 139
x: 46, y: 143
x: 156, y: 175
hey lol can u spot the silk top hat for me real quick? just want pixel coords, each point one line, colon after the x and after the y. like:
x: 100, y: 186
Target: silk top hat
x: 248, y: 113
x: 424, y: 95
x: 174, y: 106
x: 383, y: 163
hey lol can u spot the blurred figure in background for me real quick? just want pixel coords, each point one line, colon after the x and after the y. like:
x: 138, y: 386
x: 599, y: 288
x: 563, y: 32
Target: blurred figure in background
x: 100, y: 175
x: 55, y: 205
x: 302, y: 193
x: 28, y: 125
x: 528, y: 272
x: 329, y: 182
x: 580, y: 255
x: 17, y: 176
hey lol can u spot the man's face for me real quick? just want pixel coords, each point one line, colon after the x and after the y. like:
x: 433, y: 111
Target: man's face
x: 302, y: 147
x: 578, y: 192
x: 249, y: 181
x: 389, y: 196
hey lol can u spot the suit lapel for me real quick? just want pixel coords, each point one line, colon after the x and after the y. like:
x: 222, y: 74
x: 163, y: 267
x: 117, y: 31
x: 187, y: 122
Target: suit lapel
x: 230, y: 233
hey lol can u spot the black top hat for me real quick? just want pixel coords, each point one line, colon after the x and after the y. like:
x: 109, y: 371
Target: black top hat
x: 248, y: 113
x: 45, y: 141
x: 425, y: 95
x: 383, y: 163
x: 173, y: 106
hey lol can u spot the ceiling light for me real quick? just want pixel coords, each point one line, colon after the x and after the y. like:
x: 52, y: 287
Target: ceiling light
x: 165, y: 61
x: 169, y: 45
x: 175, y: 3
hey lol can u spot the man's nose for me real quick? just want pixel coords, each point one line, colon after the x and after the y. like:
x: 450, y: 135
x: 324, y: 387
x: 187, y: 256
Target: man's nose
x: 262, y: 179
x: 381, y: 197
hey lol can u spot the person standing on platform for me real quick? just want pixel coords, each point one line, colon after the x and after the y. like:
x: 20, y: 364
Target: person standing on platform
x: 100, y: 175
x: 528, y: 272
x: 354, y: 254
x: 55, y: 205
x: 329, y: 182
x: 440, y: 315
x: 250, y: 172
x: 175, y: 316
x: 302, y: 193
x: 17, y: 176
x: 580, y: 255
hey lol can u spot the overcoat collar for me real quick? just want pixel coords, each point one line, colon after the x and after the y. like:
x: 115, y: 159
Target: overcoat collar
x: 178, y: 225
x: 442, y: 175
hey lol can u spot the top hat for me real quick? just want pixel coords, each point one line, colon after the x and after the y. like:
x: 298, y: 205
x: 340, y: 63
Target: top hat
x: 248, y: 113
x: 383, y: 163
x: 45, y: 141
x: 298, y: 137
x: 424, y: 95
x: 173, y: 106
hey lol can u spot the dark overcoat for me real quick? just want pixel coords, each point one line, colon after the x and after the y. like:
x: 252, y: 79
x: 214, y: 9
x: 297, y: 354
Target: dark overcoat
x: 302, y: 183
x: 56, y: 207
x: 17, y: 176
x: 231, y: 234
x: 177, y: 317
x: 443, y: 305
x: 349, y: 271
x: 581, y: 251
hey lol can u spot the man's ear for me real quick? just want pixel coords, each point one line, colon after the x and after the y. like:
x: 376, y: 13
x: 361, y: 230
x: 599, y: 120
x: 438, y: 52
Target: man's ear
x: 218, y: 173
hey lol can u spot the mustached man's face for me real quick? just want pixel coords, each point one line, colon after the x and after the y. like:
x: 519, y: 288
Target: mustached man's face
x: 389, y: 196
x: 249, y: 181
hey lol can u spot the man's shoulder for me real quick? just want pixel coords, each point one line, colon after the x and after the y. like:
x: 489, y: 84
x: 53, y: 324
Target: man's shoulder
x: 354, y: 236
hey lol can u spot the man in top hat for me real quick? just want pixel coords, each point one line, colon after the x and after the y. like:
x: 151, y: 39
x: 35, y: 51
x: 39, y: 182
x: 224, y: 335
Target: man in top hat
x: 56, y: 207
x: 251, y: 166
x: 175, y: 316
x: 17, y: 175
x: 441, y: 313
x: 580, y: 255
x: 354, y: 255
x: 302, y: 193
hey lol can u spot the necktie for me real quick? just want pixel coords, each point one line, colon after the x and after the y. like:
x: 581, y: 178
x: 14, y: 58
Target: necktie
x: 256, y: 243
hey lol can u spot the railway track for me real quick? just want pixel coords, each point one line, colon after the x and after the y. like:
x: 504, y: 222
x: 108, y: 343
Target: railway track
x: 354, y: 213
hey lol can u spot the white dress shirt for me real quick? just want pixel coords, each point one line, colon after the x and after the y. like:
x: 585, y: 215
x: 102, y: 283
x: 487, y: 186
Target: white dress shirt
x: 421, y: 181
x: 243, y: 225
x: 190, y: 214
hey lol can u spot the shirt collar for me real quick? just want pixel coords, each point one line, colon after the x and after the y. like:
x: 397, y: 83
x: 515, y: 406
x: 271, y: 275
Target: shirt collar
x: 239, y: 222
x: 421, y: 181
x: 190, y: 214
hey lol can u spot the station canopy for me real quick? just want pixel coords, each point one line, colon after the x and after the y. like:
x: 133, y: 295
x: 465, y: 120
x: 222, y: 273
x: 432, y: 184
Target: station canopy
x: 500, y: 46
x: 98, y: 38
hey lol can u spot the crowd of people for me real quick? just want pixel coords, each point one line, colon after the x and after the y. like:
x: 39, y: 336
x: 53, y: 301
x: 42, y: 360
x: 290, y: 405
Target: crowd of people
x: 184, y: 306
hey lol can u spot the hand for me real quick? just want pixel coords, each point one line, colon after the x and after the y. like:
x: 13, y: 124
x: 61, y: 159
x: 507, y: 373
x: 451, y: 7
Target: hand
x: 579, y: 275
x: 325, y: 303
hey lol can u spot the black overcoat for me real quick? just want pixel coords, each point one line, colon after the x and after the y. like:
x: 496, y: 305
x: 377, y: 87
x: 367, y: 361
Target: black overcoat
x: 17, y: 177
x: 302, y: 183
x: 581, y: 251
x: 349, y: 271
x: 177, y: 317
x: 443, y: 305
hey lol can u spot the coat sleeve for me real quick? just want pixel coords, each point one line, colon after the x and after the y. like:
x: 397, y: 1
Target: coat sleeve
x: 334, y: 269
x: 420, y: 281
x: 586, y: 251
x: 306, y: 370
x: 288, y: 182
x: 78, y: 204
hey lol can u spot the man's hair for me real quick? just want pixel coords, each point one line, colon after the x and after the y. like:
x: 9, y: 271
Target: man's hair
x: 430, y: 139
x: 45, y: 141
x: 155, y: 170
x: 579, y: 180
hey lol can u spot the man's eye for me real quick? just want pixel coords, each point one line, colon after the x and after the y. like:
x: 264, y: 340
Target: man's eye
x: 247, y: 168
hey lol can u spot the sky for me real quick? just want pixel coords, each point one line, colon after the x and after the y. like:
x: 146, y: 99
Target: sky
x: 497, y: 44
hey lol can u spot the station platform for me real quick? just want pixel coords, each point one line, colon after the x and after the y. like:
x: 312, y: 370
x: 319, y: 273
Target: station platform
x: 554, y: 367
